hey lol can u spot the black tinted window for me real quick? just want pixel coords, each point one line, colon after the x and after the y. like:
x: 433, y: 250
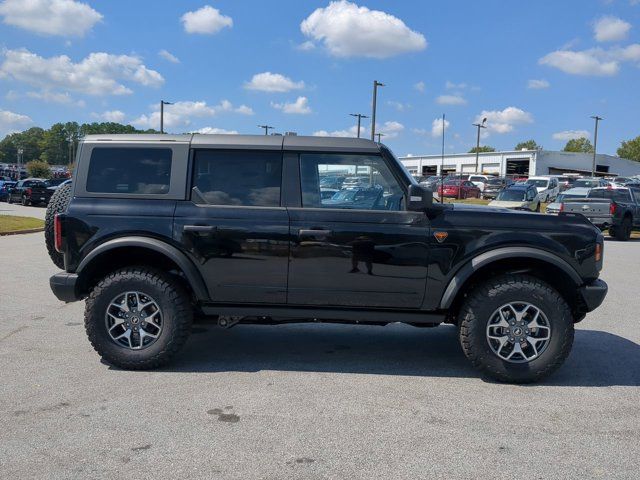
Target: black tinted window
x: 237, y: 178
x: 129, y: 170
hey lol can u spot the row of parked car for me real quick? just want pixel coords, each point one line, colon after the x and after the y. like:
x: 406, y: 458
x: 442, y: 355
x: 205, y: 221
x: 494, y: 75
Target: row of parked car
x: 30, y: 191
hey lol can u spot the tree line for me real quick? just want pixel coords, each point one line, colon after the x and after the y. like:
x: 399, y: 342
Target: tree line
x: 58, y: 144
x: 629, y: 149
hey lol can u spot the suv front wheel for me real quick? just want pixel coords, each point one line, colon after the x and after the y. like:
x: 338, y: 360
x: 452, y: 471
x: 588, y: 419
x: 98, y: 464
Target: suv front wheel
x: 138, y: 318
x: 516, y: 328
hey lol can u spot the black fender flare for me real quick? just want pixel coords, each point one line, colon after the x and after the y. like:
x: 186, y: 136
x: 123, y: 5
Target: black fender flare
x: 476, y: 263
x: 179, y: 258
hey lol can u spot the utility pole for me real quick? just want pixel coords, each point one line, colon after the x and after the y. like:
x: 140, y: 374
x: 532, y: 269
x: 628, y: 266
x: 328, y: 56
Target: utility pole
x: 380, y: 135
x: 595, y: 144
x: 479, y: 125
x: 360, y: 116
x: 20, y: 152
x: 266, y: 128
x: 162, y: 104
x: 376, y: 84
x: 442, y: 161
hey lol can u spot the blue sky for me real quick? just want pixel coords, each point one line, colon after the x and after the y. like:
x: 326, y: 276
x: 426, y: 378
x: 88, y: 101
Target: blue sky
x: 536, y: 69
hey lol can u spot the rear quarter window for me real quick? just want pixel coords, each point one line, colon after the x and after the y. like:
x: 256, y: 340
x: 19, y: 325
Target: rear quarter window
x: 129, y: 170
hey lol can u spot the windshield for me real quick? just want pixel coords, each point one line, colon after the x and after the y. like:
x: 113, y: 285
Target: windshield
x: 584, y: 182
x: 565, y: 196
x: 511, y: 196
x: 452, y: 182
x: 494, y: 181
x: 538, y: 183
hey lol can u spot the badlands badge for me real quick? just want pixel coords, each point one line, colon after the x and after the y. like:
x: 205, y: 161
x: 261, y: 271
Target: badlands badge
x: 440, y: 236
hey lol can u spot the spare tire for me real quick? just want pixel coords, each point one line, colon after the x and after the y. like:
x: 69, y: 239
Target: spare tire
x: 57, y: 204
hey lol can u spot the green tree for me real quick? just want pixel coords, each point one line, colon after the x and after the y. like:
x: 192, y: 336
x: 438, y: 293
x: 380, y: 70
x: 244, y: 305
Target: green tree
x: 580, y: 145
x: 527, y: 145
x: 482, y: 148
x: 38, y: 169
x: 630, y: 149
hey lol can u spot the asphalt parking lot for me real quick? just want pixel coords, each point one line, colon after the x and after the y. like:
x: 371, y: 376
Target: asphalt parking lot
x: 308, y: 401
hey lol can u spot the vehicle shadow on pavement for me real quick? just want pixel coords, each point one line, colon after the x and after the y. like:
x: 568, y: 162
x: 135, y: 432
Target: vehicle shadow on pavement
x: 598, y: 358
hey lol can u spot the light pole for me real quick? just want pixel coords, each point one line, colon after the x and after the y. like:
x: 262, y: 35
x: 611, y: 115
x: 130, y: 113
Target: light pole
x: 376, y: 84
x: 360, y: 116
x: 442, y: 162
x: 20, y: 152
x: 595, y: 144
x: 479, y: 125
x: 266, y: 128
x: 380, y: 135
x: 162, y: 104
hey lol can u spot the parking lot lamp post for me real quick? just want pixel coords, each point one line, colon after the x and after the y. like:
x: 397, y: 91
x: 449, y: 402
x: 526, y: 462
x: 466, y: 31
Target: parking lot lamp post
x: 266, y: 128
x: 162, y: 104
x: 380, y: 135
x: 359, y: 116
x: 376, y: 84
x: 479, y: 125
x: 20, y: 152
x: 441, y: 161
x: 595, y: 145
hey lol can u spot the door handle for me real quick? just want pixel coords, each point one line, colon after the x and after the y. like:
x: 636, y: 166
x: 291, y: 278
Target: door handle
x: 199, y: 228
x: 314, y: 233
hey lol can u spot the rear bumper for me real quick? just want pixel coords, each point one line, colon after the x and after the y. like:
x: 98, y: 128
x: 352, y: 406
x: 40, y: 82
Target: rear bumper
x: 593, y: 294
x: 63, y: 286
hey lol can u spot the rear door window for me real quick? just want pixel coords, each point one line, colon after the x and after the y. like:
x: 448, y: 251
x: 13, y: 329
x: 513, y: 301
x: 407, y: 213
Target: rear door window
x: 129, y: 170
x: 239, y: 178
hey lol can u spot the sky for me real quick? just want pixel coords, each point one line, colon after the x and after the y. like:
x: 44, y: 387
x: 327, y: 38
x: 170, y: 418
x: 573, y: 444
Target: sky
x: 535, y: 69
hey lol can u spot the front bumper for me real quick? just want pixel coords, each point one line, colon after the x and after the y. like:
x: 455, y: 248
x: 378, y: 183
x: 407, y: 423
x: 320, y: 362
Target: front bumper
x: 63, y: 286
x: 593, y: 294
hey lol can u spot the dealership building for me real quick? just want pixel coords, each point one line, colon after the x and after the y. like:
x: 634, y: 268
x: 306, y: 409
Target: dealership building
x: 521, y: 162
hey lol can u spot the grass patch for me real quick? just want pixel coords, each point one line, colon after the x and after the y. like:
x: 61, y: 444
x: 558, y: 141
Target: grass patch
x: 13, y: 224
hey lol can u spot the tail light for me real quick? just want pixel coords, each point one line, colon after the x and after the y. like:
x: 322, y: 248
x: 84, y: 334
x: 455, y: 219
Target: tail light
x: 612, y: 208
x: 28, y: 191
x: 561, y: 207
x: 57, y: 233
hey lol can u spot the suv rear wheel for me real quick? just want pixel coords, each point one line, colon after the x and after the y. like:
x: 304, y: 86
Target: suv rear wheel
x: 516, y: 328
x: 138, y: 318
x: 623, y: 231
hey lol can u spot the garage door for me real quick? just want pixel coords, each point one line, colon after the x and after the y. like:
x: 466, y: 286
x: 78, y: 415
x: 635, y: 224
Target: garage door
x: 469, y: 168
x: 490, y: 168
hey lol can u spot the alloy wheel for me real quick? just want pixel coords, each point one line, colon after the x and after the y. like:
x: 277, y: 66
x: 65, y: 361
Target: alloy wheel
x: 133, y: 320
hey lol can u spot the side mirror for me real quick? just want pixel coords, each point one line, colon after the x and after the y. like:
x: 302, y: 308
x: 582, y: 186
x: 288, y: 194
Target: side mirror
x: 420, y: 198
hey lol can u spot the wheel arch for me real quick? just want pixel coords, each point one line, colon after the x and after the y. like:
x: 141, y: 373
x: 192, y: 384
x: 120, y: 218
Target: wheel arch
x: 137, y: 250
x: 548, y: 267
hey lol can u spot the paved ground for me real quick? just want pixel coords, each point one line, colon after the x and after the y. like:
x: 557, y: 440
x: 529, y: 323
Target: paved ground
x: 17, y: 209
x: 309, y: 401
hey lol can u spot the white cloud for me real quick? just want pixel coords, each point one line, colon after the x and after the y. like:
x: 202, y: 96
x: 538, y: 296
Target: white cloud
x: 451, y: 100
x: 306, y: 46
x: 214, y: 130
x: 350, y: 132
x: 181, y: 114
x: 399, y: 106
x: 610, y: 29
x: 168, y: 56
x: 347, y: 30
x: 12, y: 122
x: 272, y: 82
x: 570, y: 135
x: 390, y: 129
x: 437, y: 125
x: 455, y: 86
x: 98, y: 74
x: 56, y: 97
x: 504, y: 121
x: 206, y: 20
x: 420, y: 86
x: 538, y: 84
x: 299, y: 107
x: 66, y: 18
x: 586, y: 62
x: 116, y: 116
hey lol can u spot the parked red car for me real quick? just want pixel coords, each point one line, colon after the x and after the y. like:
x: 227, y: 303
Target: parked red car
x: 458, y: 189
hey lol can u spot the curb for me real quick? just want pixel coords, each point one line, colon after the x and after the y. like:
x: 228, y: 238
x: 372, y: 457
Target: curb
x: 19, y: 232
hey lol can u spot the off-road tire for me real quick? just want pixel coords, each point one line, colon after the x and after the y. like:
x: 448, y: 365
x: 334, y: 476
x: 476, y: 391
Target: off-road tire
x: 623, y: 231
x: 58, y: 204
x: 177, y: 317
x: 492, y: 294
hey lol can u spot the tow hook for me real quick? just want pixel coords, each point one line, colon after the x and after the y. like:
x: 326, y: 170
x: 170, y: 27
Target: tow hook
x: 226, y: 321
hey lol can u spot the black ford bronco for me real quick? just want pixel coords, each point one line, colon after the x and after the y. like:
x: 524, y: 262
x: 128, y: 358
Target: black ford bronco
x: 155, y: 230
